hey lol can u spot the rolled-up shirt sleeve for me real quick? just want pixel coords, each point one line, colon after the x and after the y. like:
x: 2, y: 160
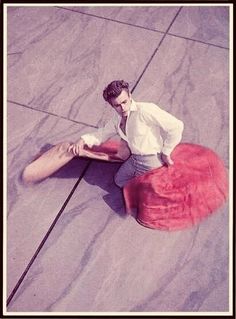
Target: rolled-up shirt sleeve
x: 101, y: 134
x: 172, y: 126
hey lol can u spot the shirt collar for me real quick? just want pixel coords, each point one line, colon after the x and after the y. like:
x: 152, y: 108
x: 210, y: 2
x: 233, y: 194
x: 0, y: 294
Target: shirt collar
x: 133, y: 107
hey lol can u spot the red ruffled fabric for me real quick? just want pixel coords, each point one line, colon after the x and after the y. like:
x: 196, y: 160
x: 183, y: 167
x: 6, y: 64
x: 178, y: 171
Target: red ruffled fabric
x: 174, y: 197
x: 181, y: 195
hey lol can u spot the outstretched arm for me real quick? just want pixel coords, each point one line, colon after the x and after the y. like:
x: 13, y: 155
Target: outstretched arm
x: 95, y: 138
x: 60, y: 154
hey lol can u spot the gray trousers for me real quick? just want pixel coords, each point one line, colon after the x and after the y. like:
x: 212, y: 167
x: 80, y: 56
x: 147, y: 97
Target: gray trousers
x: 136, y: 165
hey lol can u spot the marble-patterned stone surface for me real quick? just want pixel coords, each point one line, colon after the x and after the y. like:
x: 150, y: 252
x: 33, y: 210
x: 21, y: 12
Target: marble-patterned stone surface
x: 191, y: 80
x: 155, y: 17
x: 32, y: 209
x: 208, y: 24
x: 96, y: 259
x: 66, y: 59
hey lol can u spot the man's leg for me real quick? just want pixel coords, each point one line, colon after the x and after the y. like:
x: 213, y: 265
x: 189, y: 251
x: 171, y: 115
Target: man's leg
x: 135, y: 166
x: 125, y: 173
x: 48, y: 163
x: 145, y: 163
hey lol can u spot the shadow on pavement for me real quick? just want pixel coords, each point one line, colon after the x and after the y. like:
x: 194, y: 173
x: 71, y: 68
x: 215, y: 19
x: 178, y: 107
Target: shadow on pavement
x: 99, y: 173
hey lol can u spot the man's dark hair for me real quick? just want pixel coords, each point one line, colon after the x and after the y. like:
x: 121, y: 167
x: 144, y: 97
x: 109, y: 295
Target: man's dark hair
x: 114, y: 89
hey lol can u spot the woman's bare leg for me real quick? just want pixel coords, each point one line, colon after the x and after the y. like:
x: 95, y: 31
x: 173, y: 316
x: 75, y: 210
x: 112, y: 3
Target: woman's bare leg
x: 48, y: 163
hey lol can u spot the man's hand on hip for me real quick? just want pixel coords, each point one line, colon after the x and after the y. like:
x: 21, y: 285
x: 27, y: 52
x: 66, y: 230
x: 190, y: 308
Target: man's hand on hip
x: 166, y: 159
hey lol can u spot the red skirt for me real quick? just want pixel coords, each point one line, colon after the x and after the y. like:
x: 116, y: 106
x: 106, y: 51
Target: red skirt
x: 181, y: 195
x: 177, y: 196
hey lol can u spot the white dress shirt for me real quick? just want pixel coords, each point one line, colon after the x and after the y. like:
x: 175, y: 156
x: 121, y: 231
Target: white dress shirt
x: 143, y: 130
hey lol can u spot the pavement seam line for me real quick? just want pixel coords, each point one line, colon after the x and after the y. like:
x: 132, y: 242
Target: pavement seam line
x: 15, y: 289
x: 53, y: 114
x: 145, y: 28
x: 155, y: 51
x: 198, y: 41
x: 110, y: 19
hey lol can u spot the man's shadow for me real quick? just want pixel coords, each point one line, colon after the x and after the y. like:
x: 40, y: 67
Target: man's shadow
x: 99, y: 173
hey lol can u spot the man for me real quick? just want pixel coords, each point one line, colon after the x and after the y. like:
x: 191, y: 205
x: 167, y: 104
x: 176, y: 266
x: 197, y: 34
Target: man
x: 139, y: 124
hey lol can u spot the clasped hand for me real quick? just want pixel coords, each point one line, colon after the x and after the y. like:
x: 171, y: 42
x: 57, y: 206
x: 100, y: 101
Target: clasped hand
x: 77, y: 148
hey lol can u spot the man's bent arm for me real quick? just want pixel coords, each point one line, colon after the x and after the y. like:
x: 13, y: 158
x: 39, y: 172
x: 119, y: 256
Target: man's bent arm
x: 170, y: 124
